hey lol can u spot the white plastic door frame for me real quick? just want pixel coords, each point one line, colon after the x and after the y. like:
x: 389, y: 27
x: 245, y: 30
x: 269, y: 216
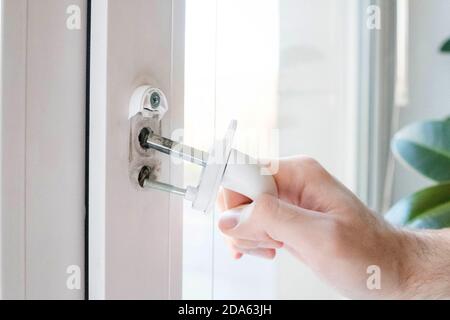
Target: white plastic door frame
x: 135, y: 237
x: 43, y: 147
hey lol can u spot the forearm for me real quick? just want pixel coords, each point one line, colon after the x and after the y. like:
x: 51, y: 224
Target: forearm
x: 427, y: 270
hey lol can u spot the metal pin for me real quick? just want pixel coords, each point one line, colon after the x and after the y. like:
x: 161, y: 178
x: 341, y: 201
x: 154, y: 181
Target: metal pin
x: 149, y: 140
x: 149, y: 184
x: 146, y: 182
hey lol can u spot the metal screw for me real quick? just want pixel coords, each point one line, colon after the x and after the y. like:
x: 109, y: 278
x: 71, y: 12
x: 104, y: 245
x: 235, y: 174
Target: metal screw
x: 155, y: 100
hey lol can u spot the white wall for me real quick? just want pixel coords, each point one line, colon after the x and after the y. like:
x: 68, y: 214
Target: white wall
x: 429, y: 77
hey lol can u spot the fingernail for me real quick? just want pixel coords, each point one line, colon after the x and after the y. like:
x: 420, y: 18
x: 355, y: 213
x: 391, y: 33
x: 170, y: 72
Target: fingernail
x: 237, y: 256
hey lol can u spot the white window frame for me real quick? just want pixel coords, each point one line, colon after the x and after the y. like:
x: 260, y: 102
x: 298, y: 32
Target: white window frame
x: 377, y: 76
x: 135, y: 236
x: 42, y: 147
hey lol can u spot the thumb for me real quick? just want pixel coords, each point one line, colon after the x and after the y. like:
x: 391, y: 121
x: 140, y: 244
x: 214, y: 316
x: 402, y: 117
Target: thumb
x: 268, y: 218
x: 233, y: 222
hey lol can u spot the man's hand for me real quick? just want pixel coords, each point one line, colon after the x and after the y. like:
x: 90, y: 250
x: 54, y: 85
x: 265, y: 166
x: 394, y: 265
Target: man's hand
x: 324, y: 225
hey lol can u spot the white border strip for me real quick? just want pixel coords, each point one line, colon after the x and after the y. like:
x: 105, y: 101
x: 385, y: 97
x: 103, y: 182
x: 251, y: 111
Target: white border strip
x: 97, y: 157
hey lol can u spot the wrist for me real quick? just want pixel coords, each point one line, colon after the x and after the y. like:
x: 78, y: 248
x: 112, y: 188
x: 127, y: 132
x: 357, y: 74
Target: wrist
x: 424, y: 269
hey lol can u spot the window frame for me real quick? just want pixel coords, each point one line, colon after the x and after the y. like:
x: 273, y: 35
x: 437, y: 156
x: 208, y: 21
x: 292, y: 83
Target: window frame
x: 43, y: 176
x: 135, y: 236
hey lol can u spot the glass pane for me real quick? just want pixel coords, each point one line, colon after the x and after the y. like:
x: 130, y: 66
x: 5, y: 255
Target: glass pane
x: 199, y: 131
x: 286, y: 71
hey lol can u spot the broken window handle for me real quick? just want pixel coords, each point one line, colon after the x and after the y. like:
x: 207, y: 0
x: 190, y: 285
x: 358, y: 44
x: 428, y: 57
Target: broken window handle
x: 148, y: 102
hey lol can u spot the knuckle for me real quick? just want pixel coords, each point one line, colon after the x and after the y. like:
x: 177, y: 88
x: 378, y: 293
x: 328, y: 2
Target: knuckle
x: 265, y: 204
x: 309, y: 161
x: 243, y: 244
x: 233, y: 247
x: 238, y: 243
x: 311, y: 166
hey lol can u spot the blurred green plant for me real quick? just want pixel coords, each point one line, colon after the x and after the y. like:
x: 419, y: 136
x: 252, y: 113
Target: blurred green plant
x: 425, y: 147
x: 446, y: 46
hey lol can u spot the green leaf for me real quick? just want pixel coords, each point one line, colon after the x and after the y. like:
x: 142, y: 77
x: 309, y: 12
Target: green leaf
x: 425, y: 146
x: 437, y: 219
x: 426, y: 209
x: 446, y: 46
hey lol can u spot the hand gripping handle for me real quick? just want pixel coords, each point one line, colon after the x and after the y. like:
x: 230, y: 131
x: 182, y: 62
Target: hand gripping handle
x: 248, y: 179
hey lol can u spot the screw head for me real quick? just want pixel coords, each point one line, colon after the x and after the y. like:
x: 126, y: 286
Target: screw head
x: 155, y: 100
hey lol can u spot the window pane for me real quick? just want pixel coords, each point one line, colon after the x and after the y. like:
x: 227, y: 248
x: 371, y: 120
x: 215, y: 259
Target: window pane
x: 286, y: 71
